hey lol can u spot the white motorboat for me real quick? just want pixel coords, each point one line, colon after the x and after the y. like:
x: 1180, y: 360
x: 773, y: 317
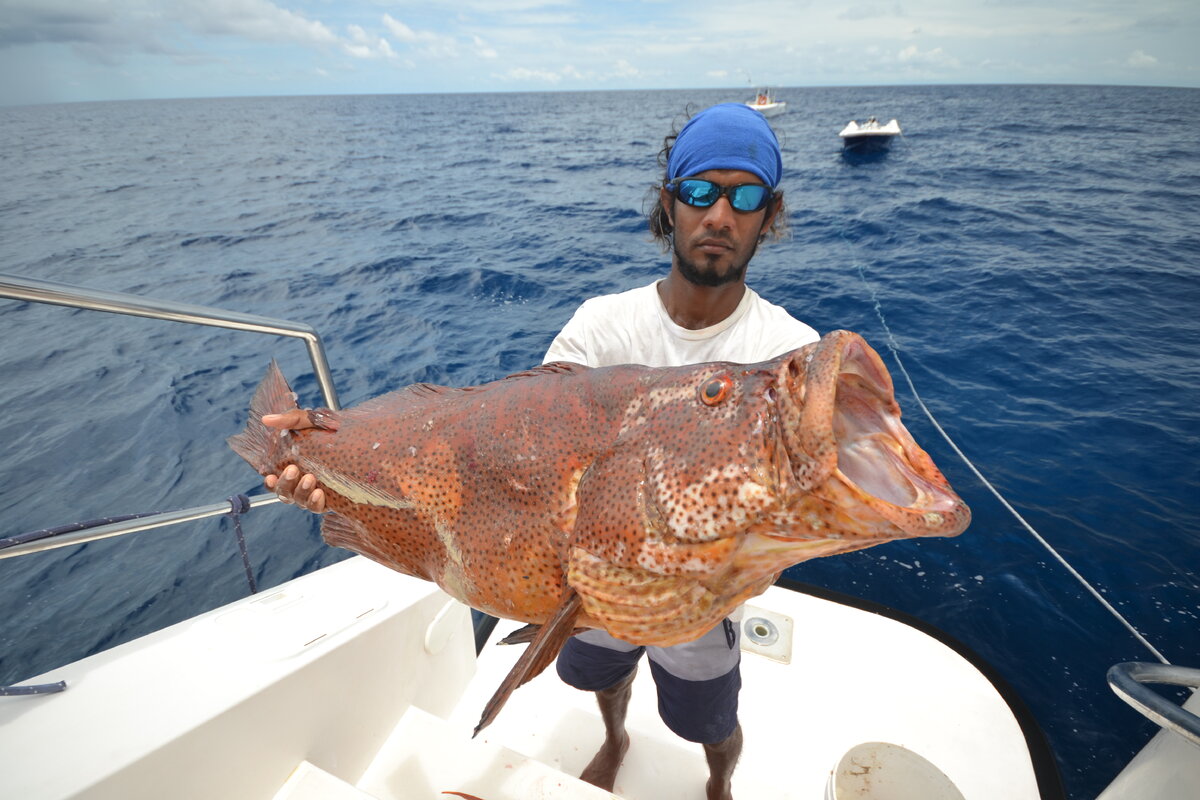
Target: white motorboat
x: 358, y: 682
x: 765, y: 103
x: 870, y: 135
x: 355, y: 681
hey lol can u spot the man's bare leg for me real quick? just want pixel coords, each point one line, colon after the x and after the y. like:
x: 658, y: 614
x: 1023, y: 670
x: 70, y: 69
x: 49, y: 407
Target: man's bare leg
x: 722, y: 758
x: 614, y: 703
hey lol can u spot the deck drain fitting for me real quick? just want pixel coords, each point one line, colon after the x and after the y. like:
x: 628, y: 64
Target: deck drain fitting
x: 761, y: 631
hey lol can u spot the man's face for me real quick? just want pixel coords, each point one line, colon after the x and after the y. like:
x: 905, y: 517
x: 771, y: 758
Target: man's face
x: 713, y: 245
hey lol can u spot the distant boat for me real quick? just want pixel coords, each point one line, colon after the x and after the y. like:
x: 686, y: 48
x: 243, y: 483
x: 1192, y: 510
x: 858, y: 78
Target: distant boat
x: 766, y: 104
x: 870, y: 135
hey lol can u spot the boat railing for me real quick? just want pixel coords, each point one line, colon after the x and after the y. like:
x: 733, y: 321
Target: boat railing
x: 39, y: 291
x: 1129, y: 681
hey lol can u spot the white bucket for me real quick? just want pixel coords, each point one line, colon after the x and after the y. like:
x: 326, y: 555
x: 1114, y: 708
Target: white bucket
x: 882, y: 771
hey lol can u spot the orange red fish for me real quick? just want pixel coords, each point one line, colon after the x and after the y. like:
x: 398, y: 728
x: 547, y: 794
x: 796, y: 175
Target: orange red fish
x: 649, y: 502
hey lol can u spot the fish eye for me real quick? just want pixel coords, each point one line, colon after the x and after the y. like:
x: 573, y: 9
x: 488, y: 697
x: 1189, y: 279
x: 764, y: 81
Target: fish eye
x: 715, y: 390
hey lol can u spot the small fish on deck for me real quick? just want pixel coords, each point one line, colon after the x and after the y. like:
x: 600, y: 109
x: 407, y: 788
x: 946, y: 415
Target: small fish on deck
x: 649, y: 502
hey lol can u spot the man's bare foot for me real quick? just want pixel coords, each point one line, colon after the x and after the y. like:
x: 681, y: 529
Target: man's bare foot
x: 602, y: 772
x: 723, y: 793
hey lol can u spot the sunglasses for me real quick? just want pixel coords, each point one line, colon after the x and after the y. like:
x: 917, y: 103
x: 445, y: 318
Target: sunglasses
x: 699, y: 193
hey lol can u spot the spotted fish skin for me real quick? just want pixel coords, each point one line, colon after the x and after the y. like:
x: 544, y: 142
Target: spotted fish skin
x: 663, y: 497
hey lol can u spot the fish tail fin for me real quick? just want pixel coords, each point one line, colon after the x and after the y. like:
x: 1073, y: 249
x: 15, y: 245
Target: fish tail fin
x: 542, y: 650
x: 258, y: 444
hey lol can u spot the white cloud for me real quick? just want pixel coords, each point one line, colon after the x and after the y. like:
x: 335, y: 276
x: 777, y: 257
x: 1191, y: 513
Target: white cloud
x: 521, y: 74
x: 928, y: 58
x: 620, y: 70
x: 483, y: 49
x: 364, y: 45
x: 402, y: 32
x: 431, y: 45
x: 110, y: 31
x: 624, y: 69
x: 258, y: 20
x: 619, y: 43
x: 869, y: 11
x: 1139, y: 59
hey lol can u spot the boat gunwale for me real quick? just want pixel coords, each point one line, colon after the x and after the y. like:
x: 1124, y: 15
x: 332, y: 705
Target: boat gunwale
x: 1045, y: 764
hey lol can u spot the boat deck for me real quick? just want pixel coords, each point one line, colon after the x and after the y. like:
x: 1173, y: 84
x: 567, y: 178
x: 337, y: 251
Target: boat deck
x: 853, y: 678
x: 358, y: 682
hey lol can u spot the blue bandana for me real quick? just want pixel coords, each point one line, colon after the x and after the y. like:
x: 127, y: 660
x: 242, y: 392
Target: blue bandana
x: 727, y: 136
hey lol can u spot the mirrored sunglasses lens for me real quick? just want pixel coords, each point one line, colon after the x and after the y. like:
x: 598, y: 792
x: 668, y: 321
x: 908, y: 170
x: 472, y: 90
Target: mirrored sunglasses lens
x: 748, y: 197
x: 698, y: 193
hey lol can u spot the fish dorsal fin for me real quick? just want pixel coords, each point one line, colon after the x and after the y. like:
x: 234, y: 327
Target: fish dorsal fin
x: 426, y: 390
x: 422, y: 392
x: 544, y: 648
x: 551, y: 368
x: 415, y: 394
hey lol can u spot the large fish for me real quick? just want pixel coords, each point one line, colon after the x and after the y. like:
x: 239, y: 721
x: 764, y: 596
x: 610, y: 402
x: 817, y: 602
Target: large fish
x: 649, y: 502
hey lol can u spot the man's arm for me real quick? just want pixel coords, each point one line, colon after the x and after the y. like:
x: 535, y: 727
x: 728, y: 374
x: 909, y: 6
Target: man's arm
x: 291, y: 486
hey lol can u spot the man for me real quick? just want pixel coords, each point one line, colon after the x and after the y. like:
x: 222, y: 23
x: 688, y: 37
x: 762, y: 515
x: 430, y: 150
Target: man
x: 717, y: 202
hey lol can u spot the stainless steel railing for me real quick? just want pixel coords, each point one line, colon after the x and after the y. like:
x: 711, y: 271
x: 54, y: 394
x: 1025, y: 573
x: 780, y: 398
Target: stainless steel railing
x: 1129, y: 681
x: 61, y: 294
x: 50, y: 292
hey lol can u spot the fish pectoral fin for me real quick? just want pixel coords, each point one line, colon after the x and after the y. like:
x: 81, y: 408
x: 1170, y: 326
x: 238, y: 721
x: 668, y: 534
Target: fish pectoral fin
x: 358, y: 489
x: 523, y: 635
x: 338, y: 530
x: 544, y: 648
x: 642, y: 607
x: 527, y: 633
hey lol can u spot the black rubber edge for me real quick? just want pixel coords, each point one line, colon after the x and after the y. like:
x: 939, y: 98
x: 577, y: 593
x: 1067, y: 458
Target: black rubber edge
x: 1045, y: 766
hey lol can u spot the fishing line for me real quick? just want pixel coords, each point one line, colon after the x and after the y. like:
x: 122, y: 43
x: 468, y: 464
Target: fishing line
x: 894, y: 347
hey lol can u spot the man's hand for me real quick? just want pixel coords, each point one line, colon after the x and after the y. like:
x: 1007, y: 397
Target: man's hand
x: 291, y: 486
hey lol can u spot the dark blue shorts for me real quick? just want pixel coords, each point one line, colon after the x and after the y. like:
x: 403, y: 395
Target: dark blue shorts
x: 698, y: 682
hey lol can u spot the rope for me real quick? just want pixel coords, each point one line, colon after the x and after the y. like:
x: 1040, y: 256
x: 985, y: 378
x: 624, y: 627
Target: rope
x: 70, y: 527
x: 895, y: 348
x: 239, y: 504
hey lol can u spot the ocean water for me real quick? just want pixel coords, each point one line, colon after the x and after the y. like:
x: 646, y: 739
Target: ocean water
x: 1030, y: 253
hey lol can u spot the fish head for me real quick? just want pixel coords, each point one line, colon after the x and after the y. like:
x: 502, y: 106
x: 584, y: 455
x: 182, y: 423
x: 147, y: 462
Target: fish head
x: 856, y: 476
x: 740, y: 471
x: 806, y: 451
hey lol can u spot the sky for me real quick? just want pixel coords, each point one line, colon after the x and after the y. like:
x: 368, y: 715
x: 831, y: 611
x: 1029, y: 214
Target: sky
x: 83, y: 50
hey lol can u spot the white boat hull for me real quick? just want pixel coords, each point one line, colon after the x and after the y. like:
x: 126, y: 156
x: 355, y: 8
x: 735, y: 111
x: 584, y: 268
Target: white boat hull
x: 358, y: 682
x: 870, y: 135
x: 769, y: 109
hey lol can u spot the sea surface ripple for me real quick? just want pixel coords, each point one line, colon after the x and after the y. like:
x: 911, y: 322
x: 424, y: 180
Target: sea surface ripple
x: 1030, y: 251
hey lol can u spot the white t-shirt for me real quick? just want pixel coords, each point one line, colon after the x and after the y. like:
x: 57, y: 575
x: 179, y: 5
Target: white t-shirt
x: 633, y: 327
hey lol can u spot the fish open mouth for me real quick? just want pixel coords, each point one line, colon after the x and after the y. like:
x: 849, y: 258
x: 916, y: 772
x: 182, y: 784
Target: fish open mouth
x: 847, y: 444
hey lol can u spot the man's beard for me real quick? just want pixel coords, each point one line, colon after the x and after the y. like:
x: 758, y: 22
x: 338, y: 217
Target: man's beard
x: 693, y: 274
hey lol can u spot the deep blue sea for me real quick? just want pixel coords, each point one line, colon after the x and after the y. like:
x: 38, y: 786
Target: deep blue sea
x: 1031, y: 251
